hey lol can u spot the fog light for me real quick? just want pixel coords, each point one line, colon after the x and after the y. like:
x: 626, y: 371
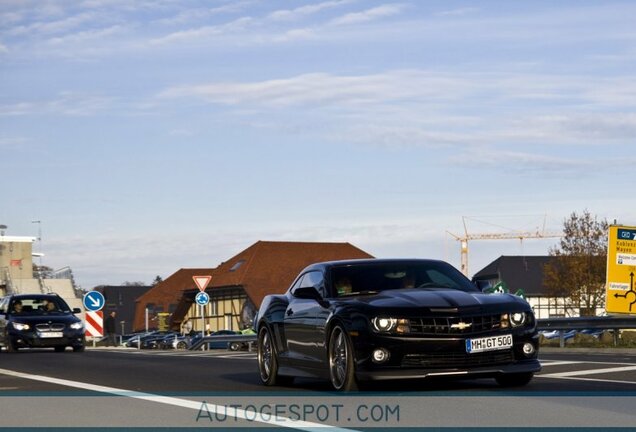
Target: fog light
x: 380, y: 355
x: 528, y: 349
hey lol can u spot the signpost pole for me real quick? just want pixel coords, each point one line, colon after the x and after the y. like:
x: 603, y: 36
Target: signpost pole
x: 202, y: 298
x: 202, y: 324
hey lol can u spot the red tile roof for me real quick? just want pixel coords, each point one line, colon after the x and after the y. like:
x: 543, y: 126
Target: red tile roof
x: 166, y: 293
x: 270, y: 267
x: 266, y: 267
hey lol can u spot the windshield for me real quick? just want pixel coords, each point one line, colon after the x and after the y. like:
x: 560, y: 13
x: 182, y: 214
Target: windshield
x: 372, y: 278
x: 38, y: 306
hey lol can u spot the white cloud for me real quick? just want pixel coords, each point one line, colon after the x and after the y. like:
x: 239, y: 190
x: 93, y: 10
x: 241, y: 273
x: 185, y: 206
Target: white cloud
x: 199, y: 14
x: 67, y: 103
x: 3, y: 48
x: 523, y: 162
x: 202, y: 34
x: 10, y: 143
x: 52, y: 27
x: 458, y: 12
x: 368, y: 15
x: 303, y: 11
x: 325, y: 89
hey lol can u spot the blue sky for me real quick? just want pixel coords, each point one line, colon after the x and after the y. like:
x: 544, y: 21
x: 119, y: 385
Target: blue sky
x: 153, y: 135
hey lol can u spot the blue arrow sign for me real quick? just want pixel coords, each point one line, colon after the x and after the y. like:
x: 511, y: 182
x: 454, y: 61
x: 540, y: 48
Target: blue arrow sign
x: 202, y: 298
x: 94, y: 301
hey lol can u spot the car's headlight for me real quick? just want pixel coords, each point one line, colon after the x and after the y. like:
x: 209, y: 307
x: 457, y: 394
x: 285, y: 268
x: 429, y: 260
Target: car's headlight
x: 20, y: 326
x: 514, y: 319
x: 396, y: 325
x: 77, y: 325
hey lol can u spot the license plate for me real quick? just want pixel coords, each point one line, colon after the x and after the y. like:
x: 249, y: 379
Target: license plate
x: 492, y: 343
x: 51, y: 334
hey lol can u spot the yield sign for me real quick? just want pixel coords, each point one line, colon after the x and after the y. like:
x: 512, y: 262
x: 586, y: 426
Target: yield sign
x: 202, y: 281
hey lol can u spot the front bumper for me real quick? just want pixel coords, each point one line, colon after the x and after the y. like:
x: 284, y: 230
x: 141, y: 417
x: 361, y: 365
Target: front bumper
x: 32, y: 339
x: 420, y: 357
x: 529, y: 366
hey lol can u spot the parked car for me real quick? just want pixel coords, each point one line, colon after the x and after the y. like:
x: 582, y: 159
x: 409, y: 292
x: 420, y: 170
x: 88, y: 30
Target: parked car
x: 134, y: 341
x: 241, y: 346
x: 188, y: 341
x: 39, y: 321
x: 361, y: 320
x: 154, y: 341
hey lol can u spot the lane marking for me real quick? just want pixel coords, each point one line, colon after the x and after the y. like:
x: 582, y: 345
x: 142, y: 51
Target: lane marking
x: 554, y: 362
x: 167, y: 400
x: 588, y: 379
x: 558, y: 362
x: 589, y: 372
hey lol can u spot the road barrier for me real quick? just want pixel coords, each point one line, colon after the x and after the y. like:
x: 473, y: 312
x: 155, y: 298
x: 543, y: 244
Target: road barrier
x: 614, y: 323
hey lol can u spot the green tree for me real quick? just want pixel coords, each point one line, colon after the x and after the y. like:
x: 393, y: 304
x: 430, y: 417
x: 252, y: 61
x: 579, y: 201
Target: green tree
x: 157, y: 280
x: 578, y: 270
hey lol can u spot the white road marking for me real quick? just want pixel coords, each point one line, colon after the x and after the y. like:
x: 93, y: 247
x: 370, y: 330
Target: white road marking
x: 589, y: 372
x: 558, y: 362
x: 547, y: 362
x: 588, y: 379
x: 183, y: 403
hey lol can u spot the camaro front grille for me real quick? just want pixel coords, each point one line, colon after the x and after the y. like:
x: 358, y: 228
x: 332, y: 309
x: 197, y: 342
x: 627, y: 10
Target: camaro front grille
x: 457, y: 360
x: 50, y: 327
x: 429, y: 326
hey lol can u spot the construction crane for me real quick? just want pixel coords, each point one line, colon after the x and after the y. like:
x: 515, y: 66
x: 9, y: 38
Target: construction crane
x: 521, y: 235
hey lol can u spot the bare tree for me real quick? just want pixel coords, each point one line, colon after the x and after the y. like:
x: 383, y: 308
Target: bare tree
x: 578, y: 272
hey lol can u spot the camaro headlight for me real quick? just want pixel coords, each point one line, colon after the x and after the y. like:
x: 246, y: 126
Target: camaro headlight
x: 20, y: 326
x: 396, y: 325
x: 515, y: 319
x: 77, y: 326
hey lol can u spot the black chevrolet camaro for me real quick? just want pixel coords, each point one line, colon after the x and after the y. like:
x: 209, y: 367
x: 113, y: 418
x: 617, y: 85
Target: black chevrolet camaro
x: 367, y: 320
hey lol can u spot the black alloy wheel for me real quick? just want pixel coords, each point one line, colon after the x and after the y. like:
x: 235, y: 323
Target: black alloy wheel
x: 341, y: 362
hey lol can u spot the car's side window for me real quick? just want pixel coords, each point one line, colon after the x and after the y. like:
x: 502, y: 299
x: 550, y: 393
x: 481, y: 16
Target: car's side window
x: 297, y: 284
x: 314, y: 279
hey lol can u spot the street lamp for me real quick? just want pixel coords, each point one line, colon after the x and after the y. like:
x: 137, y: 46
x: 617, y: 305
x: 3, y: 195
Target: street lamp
x: 39, y: 240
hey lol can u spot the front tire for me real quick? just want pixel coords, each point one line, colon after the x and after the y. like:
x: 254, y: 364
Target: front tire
x: 10, y: 345
x: 514, y: 380
x: 268, y: 360
x: 234, y: 346
x: 341, y: 361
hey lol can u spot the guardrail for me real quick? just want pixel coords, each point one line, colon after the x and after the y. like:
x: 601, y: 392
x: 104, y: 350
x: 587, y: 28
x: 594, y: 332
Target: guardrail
x: 248, y: 339
x: 614, y: 323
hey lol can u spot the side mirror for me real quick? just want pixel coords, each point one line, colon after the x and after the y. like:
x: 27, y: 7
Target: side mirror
x: 483, y: 285
x: 309, y: 293
x: 77, y: 310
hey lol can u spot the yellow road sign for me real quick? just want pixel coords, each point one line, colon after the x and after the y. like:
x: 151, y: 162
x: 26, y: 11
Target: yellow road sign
x: 621, y: 270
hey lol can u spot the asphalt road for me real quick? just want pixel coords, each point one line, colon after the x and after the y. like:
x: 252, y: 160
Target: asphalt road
x: 124, y: 388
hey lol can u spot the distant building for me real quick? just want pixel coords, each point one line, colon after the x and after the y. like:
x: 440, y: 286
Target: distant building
x: 526, y: 274
x: 164, y: 297
x: 121, y: 299
x: 16, y: 272
x: 238, y: 285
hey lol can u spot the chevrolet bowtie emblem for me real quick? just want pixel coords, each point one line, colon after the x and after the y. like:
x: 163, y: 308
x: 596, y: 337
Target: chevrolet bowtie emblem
x: 461, y: 325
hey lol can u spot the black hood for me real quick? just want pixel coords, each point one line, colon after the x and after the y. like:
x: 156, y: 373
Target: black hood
x: 434, y: 301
